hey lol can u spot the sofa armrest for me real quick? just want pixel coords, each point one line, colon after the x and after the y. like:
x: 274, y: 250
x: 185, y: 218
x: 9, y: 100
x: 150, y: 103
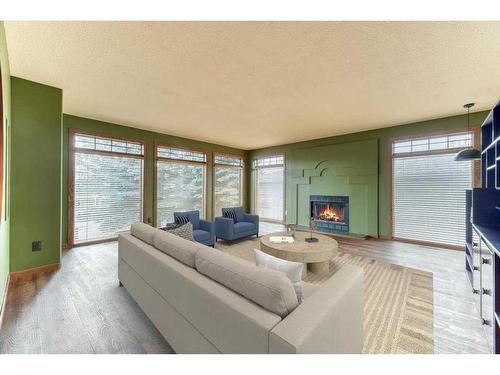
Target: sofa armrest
x: 207, y: 226
x: 329, y: 321
x: 251, y: 218
x: 224, y: 228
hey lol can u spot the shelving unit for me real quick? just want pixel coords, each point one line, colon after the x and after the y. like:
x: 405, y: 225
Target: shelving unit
x: 490, y: 149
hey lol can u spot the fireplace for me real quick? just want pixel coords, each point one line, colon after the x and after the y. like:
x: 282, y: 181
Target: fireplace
x: 330, y: 213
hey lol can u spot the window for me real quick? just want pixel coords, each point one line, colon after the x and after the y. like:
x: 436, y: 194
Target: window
x: 429, y: 189
x: 180, y: 182
x: 431, y: 144
x: 108, y: 187
x: 228, y: 181
x: 269, y: 179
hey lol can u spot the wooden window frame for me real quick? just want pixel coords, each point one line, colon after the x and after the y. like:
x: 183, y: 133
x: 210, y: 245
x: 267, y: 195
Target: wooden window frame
x: 242, y: 178
x: 255, y: 188
x: 72, y: 132
x: 157, y: 159
x: 3, y: 128
x: 476, y: 174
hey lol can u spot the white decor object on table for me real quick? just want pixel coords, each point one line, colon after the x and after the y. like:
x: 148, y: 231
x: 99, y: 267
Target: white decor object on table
x: 281, y: 239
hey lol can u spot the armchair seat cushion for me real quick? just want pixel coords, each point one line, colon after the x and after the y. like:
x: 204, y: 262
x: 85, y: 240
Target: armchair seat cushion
x: 201, y: 235
x: 243, y: 227
x: 192, y: 216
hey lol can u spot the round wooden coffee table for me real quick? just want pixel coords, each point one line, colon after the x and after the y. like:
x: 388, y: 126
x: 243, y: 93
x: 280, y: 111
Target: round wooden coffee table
x: 315, y: 255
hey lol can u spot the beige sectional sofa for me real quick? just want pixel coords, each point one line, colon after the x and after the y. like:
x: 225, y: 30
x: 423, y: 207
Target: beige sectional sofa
x: 205, y: 301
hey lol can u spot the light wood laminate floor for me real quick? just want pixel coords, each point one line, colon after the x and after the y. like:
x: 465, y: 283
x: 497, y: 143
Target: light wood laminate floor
x: 81, y: 308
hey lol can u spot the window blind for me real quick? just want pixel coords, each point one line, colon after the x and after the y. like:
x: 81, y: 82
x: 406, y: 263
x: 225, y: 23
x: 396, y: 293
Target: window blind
x: 429, y: 198
x: 108, y: 193
x: 180, y: 187
x: 227, y: 188
x: 269, y: 192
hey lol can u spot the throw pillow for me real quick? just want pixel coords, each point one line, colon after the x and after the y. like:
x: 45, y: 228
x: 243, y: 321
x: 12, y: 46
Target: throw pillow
x: 184, y: 231
x: 182, y: 219
x: 229, y: 213
x: 292, y: 270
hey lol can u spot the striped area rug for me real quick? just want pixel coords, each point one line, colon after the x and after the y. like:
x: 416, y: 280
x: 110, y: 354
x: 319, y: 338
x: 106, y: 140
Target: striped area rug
x: 398, y: 301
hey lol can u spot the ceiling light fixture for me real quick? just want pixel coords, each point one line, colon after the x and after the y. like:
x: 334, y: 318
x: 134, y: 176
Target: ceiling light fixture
x: 469, y: 153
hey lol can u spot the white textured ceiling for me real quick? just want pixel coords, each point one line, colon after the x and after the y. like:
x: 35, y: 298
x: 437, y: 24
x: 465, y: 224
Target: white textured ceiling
x: 257, y: 84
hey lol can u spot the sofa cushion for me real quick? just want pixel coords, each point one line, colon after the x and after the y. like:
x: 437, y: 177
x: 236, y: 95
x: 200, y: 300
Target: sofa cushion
x: 201, y: 235
x: 292, y: 270
x: 179, y: 248
x: 243, y: 227
x: 143, y: 232
x: 268, y: 288
x: 240, y: 214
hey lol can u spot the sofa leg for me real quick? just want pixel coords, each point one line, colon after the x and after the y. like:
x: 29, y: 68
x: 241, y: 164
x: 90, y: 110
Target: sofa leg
x: 120, y: 283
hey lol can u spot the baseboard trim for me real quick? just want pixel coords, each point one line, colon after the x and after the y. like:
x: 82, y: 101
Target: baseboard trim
x: 4, y: 301
x: 29, y: 274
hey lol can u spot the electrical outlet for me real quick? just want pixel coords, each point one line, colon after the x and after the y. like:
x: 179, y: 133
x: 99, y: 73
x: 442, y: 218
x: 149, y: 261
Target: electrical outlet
x: 36, y: 246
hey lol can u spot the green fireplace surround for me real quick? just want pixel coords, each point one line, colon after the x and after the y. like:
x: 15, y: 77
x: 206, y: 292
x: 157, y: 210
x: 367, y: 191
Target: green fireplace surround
x: 346, y: 169
x: 355, y: 165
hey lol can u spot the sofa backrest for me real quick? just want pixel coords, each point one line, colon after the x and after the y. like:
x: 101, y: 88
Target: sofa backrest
x: 268, y: 288
x: 143, y: 232
x: 194, y: 217
x: 179, y: 248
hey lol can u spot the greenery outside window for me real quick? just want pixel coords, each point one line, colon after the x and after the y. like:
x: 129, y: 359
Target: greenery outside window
x: 228, y: 182
x: 180, y: 182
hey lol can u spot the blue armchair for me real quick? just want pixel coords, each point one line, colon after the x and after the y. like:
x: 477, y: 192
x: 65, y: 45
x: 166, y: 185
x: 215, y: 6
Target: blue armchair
x: 232, y: 229
x: 203, y: 230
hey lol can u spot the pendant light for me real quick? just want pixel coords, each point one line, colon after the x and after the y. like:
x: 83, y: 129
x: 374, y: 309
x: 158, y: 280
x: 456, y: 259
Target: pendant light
x: 469, y: 153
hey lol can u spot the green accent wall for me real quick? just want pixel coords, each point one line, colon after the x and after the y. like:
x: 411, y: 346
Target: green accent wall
x: 302, y: 155
x: 150, y: 138
x: 4, y: 220
x: 346, y: 169
x: 35, y: 174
